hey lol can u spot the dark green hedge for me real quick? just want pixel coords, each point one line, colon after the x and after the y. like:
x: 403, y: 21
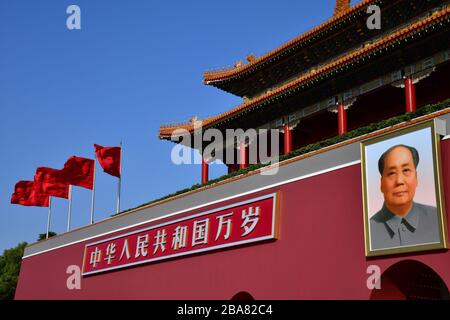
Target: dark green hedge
x: 322, y: 144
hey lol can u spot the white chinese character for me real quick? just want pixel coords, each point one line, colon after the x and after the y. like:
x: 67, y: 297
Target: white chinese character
x: 96, y: 256
x: 141, y: 247
x: 110, y: 252
x: 251, y: 217
x: 160, y: 240
x: 125, y: 250
x: 179, y: 237
x: 200, y: 233
x: 223, y: 221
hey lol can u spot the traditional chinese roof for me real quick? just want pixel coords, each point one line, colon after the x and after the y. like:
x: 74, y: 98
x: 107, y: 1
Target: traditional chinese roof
x: 342, y: 12
x: 314, y: 75
x: 345, y: 31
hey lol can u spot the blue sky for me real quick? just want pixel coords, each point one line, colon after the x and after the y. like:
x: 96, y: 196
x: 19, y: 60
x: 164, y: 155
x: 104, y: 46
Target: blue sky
x: 133, y: 66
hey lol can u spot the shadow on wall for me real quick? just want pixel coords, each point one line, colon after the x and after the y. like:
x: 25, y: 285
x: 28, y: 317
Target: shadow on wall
x: 411, y: 280
x: 242, y: 296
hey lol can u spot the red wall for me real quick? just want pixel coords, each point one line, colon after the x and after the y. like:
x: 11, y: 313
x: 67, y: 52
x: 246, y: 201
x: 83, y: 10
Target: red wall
x: 319, y: 254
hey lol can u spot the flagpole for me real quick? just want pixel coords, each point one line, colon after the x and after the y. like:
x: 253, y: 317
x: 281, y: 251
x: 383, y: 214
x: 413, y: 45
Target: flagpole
x: 70, y: 208
x: 120, y: 178
x: 93, y: 195
x: 49, y: 214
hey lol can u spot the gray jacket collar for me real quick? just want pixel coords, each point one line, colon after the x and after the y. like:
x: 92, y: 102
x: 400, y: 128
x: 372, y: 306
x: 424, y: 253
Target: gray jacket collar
x: 411, y: 220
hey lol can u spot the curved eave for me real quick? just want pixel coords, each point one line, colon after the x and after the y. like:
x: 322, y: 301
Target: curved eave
x: 175, y: 130
x: 167, y: 132
x: 213, y: 77
x: 314, y: 76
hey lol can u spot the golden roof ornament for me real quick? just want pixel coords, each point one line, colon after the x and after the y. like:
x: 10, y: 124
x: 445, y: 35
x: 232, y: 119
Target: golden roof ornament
x: 195, y: 121
x: 341, y: 7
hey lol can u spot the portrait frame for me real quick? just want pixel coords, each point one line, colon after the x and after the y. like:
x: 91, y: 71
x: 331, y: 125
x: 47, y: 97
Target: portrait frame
x: 431, y: 127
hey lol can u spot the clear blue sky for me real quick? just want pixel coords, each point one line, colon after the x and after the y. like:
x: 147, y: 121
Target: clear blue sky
x: 133, y: 66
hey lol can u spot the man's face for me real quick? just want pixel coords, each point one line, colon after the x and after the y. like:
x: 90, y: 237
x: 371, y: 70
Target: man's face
x: 399, y: 180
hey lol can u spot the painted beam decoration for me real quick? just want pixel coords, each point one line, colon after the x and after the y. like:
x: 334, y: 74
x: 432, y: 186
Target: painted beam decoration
x: 245, y: 222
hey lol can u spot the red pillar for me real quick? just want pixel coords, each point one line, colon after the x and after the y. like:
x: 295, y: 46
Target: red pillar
x: 243, y: 163
x: 287, y: 139
x: 205, y: 171
x: 410, y: 94
x: 342, y: 119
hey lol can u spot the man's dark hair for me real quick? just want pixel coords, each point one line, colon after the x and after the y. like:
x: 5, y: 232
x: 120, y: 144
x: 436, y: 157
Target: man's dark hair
x: 415, y: 156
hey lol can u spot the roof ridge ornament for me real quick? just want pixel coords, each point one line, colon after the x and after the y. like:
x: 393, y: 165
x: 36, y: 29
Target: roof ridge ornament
x: 341, y: 7
x: 195, y: 121
x: 250, y: 58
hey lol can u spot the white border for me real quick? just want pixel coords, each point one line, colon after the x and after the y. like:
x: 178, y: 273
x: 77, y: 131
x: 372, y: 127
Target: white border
x: 306, y: 176
x: 267, y: 196
x: 430, y: 133
x: 231, y: 244
x: 178, y: 255
x: 367, y: 187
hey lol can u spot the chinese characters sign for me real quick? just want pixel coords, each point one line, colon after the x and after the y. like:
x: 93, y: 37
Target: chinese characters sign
x: 250, y: 221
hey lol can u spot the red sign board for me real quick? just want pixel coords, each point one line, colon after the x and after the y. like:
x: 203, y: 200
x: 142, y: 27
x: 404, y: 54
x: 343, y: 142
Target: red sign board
x: 245, y: 222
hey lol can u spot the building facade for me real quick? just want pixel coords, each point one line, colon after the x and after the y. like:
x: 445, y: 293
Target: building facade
x: 300, y: 233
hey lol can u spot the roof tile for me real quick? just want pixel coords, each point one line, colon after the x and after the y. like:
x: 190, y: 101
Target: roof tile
x: 166, y: 131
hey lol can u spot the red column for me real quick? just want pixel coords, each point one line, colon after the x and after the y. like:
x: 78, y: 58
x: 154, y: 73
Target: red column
x: 410, y: 94
x: 243, y: 156
x: 205, y: 171
x: 342, y: 119
x: 287, y: 139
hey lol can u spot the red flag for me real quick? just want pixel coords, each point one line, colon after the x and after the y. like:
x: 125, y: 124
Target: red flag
x: 79, y: 172
x: 109, y: 159
x: 22, y: 191
x: 26, y: 194
x: 51, y: 182
x: 49, y: 175
x: 53, y: 189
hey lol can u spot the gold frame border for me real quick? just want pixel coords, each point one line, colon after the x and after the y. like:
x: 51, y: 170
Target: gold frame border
x: 277, y: 215
x: 440, y: 204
